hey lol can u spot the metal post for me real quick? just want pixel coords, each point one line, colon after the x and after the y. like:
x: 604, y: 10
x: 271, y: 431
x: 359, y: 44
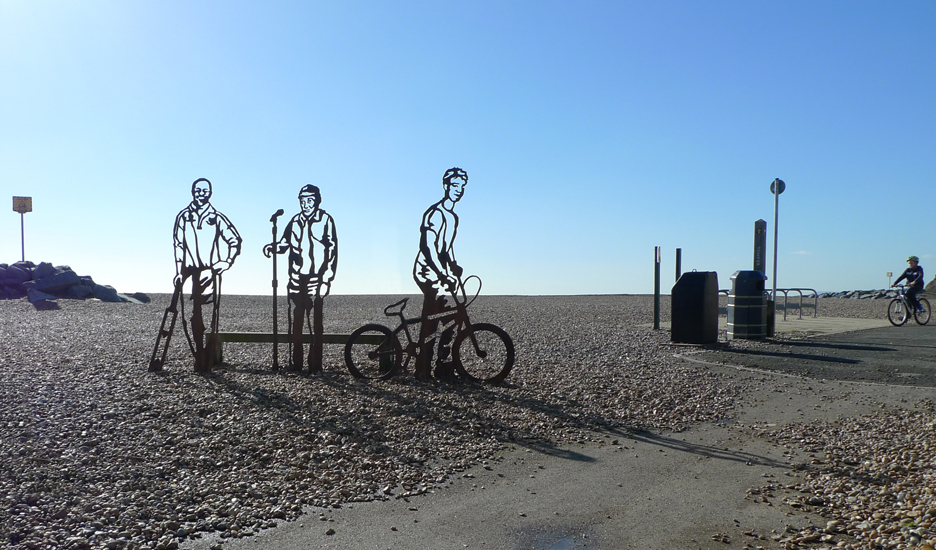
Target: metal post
x: 23, y: 234
x: 275, y: 285
x: 678, y: 263
x: 656, y: 288
x: 776, y: 202
x: 760, y: 246
x: 776, y: 187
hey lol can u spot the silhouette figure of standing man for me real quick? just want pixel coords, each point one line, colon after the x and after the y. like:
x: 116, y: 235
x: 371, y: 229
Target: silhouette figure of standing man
x: 312, y: 243
x: 205, y: 245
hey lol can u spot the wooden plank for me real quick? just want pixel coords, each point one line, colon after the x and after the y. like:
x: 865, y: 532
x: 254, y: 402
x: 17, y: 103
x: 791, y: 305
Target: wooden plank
x: 260, y: 337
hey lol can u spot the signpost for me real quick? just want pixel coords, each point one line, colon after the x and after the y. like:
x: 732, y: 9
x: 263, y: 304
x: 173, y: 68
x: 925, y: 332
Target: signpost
x: 22, y: 205
x: 776, y: 187
x: 760, y: 246
x: 656, y: 287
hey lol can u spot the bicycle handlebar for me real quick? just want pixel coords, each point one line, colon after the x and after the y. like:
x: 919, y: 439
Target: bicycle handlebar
x: 465, y: 302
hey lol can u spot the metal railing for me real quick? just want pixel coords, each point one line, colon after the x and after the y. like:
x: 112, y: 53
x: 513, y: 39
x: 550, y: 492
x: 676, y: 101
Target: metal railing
x: 800, y: 291
x: 786, y: 291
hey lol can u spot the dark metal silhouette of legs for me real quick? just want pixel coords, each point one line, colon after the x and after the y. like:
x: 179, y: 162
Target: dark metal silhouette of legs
x: 308, y: 310
x: 202, y: 294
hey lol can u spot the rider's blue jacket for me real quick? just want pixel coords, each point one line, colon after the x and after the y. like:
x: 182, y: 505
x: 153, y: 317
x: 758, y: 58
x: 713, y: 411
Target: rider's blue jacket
x: 913, y: 275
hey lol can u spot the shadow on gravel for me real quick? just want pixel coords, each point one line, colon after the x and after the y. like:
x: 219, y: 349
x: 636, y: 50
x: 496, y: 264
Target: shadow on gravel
x: 430, y: 404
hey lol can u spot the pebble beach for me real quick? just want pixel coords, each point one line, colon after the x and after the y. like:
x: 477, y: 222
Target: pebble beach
x: 99, y: 453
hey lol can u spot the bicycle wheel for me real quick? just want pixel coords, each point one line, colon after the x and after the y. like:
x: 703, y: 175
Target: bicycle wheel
x: 491, y: 360
x: 373, y: 351
x: 897, y: 312
x: 922, y: 316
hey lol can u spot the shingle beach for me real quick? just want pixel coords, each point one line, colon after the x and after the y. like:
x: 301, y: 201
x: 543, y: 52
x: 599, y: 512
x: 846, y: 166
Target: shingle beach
x: 99, y: 453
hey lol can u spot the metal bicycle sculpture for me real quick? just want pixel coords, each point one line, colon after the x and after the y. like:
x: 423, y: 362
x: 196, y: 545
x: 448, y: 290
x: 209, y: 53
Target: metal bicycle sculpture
x: 899, y: 309
x: 444, y: 318
x: 482, y: 352
x: 205, y: 244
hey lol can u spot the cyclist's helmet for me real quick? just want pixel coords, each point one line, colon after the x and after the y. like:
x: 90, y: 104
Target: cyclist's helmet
x: 913, y: 259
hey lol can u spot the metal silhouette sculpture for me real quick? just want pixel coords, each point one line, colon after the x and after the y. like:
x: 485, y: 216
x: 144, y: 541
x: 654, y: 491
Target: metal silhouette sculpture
x: 273, y: 218
x: 312, y: 244
x: 437, y: 273
x: 474, y: 351
x: 205, y: 244
x: 481, y: 352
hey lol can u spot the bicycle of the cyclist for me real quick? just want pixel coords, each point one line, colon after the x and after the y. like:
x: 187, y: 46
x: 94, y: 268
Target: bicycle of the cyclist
x: 899, y: 310
x: 481, y: 352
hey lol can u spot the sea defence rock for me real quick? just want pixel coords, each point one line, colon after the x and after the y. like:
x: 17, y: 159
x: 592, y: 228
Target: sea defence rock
x: 46, y: 282
x: 34, y: 296
x: 881, y: 294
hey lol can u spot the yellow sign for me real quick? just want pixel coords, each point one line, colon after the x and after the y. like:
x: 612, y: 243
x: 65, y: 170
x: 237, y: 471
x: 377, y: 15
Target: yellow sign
x: 22, y: 204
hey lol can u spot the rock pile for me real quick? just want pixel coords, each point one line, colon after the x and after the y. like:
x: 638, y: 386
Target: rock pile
x: 882, y: 294
x: 47, y: 282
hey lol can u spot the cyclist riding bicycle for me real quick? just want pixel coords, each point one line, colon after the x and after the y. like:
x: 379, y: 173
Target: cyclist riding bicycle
x: 914, y: 277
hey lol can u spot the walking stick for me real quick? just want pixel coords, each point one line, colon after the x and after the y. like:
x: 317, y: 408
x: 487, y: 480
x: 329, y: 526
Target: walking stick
x: 162, y: 337
x: 275, y: 284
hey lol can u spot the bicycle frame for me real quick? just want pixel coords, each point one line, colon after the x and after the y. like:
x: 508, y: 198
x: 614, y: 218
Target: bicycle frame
x: 457, y: 316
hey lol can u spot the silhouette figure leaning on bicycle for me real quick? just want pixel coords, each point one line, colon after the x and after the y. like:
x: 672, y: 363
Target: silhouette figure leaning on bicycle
x: 914, y: 277
x: 438, y: 275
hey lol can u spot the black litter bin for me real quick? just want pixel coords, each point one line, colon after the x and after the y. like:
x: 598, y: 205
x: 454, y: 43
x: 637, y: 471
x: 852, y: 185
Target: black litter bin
x: 747, y: 306
x: 695, y: 308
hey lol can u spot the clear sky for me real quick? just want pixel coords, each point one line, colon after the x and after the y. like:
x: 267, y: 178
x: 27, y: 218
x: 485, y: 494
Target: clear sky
x: 591, y: 131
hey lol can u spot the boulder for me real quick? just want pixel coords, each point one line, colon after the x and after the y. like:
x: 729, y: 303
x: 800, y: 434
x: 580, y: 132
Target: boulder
x: 14, y: 289
x: 142, y: 298
x: 79, y: 292
x: 18, y: 273
x: 43, y: 270
x: 34, y: 296
x: 125, y: 298
x: 105, y: 293
x: 58, y: 281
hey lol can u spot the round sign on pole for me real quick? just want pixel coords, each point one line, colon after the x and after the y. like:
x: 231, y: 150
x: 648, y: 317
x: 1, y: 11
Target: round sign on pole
x: 777, y: 187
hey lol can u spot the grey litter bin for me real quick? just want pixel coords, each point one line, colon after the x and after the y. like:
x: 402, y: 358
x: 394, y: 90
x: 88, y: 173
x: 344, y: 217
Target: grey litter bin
x: 747, y: 306
x: 694, y: 317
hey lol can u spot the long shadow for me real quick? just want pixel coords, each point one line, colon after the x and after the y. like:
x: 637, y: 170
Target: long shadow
x: 834, y: 345
x: 706, y: 451
x: 420, y: 407
x: 805, y: 356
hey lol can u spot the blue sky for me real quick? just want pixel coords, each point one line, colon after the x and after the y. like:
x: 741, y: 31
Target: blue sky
x: 591, y: 133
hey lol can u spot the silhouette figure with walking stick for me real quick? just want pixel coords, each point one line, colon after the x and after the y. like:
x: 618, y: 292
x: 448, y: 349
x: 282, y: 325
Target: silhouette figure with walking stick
x: 312, y: 244
x: 205, y: 244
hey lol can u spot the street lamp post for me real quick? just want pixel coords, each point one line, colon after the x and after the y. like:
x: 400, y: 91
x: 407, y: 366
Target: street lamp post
x: 776, y: 187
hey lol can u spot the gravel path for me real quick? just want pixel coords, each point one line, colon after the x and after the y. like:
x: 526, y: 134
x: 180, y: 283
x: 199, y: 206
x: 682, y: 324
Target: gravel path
x: 96, y: 452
